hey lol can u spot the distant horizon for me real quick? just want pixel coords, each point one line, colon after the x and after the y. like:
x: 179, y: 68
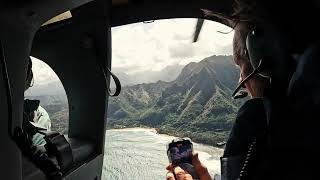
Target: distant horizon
x: 115, y: 69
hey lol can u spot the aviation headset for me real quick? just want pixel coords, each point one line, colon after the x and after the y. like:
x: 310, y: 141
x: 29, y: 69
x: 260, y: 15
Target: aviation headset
x: 267, y: 47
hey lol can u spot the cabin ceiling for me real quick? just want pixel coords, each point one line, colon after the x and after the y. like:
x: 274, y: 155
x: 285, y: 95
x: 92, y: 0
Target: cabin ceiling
x: 131, y: 11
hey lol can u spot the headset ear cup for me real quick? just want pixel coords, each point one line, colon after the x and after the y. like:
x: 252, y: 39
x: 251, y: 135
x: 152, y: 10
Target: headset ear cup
x: 269, y: 44
x: 255, y: 44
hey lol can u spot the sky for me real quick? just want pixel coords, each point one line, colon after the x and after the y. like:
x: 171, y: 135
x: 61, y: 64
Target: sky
x: 42, y: 73
x: 152, y: 46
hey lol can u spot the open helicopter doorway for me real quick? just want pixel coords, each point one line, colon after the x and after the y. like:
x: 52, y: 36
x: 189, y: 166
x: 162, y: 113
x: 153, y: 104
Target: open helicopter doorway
x: 172, y: 87
x: 47, y: 88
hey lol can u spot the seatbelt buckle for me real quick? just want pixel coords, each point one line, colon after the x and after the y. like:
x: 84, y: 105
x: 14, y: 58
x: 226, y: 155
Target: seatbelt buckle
x: 230, y: 167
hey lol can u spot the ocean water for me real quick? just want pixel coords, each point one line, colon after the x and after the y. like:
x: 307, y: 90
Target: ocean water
x: 140, y: 154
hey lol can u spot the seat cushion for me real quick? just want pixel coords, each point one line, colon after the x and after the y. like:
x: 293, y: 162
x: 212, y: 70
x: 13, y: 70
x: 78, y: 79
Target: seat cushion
x: 81, y: 149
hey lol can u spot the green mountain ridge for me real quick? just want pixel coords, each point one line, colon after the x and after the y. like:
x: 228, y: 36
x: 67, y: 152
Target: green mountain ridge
x: 196, y: 104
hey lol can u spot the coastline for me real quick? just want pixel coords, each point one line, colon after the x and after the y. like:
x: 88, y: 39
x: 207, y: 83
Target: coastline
x: 146, y: 145
x: 135, y: 129
x: 161, y: 132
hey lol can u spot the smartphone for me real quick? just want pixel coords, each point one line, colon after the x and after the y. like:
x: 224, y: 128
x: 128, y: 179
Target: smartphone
x: 180, y: 151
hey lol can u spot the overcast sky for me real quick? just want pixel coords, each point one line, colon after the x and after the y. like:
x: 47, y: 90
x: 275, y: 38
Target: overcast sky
x: 152, y: 46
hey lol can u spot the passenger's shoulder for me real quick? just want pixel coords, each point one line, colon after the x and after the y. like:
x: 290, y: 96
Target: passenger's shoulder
x: 252, y: 105
x: 252, y: 112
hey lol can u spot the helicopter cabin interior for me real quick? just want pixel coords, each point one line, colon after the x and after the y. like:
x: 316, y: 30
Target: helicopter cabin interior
x: 75, y: 47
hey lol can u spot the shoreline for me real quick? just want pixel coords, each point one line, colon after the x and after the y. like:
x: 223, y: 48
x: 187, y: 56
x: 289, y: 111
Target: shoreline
x: 159, y: 132
x: 146, y: 143
x: 135, y: 129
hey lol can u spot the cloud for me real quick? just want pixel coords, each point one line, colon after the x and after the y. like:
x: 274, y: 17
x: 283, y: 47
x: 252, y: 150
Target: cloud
x: 182, y: 37
x: 181, y: 50
x: 224, y: 50
x: 129, y: 69
x: 155, y: 45
x: 42, y: 73
x: 157, y: 59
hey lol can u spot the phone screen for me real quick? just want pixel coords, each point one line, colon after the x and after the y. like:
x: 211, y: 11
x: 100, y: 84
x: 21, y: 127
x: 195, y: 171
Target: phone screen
x: 180, y: 153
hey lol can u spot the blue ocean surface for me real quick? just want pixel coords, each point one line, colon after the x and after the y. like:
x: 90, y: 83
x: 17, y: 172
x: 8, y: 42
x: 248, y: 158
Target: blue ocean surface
x: 140, y: 154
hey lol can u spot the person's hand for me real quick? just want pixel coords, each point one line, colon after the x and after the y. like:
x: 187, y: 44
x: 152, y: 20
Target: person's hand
x: 180, y: 174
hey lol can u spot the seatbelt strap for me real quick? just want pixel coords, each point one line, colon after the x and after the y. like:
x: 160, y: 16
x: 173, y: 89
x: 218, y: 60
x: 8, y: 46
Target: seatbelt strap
x: 268, y: 109
x: 116, y: 81
x: 105, y: 71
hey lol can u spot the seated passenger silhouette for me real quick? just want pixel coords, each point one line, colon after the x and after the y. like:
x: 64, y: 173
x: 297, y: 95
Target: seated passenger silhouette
x: 34, y: 113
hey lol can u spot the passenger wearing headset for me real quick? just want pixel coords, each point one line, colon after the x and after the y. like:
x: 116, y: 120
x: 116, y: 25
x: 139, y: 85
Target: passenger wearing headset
x: 34, y: 113
x: 267, y: 45
x: 31, y: 142
x: 271, y: 51
x: 247, y: 119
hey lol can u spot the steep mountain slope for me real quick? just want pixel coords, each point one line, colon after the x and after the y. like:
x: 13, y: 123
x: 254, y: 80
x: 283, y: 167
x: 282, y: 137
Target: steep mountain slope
x: 196, y: 104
